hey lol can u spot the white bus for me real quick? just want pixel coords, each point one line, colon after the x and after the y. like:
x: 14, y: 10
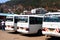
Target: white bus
x: 51, y: 24
x: 28, y: 24
x: 3, y: 17
x: 9, y: 22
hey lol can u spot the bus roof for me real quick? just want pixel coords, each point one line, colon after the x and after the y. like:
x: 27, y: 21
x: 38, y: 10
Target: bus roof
x: 30, y: 15
x: 5, y: 14
x: 53, y: 13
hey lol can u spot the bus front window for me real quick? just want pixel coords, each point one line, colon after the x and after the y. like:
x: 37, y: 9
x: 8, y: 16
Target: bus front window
x: 23, y: 19
x: 52, y: 19
x: 9, y: 19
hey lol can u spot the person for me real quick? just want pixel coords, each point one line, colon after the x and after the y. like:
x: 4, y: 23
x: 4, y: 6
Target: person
x: 3, y: 25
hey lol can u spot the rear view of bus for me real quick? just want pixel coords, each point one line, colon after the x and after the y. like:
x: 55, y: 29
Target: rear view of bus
x: 29, y: 24
x: 9, y: 23
x: 22, y: 24
x: 51, y: 24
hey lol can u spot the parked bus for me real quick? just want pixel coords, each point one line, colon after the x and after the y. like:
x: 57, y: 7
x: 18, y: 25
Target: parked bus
x: 28, y: 24
x: 51, y: 24
x: 9, y: 22
x: 3, y: 17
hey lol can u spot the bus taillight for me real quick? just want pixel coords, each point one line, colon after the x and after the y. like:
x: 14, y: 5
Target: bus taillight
x: 17, y: 27
x: 27, y: 29
x: 57, y: 30
x: 12, y: 27
x: 44, y: 29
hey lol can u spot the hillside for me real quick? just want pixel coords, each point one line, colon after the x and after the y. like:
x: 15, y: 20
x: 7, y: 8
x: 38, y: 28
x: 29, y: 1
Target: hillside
x: 36, y: 3
x: 21, y: 5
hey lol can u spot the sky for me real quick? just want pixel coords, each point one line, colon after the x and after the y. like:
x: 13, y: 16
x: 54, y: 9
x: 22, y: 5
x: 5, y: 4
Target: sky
x: 3, y: 1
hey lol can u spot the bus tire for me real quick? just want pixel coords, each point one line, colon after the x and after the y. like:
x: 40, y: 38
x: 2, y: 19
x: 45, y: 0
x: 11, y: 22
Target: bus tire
x: 39, y: 32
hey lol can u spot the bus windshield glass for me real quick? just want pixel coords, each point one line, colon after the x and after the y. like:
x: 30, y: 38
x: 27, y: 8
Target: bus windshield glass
x: 52, y: 18
x: 9, y: 18
x: 22, y: 18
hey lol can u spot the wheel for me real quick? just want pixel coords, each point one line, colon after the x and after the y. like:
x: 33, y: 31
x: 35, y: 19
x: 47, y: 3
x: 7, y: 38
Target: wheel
x: 39, y: 32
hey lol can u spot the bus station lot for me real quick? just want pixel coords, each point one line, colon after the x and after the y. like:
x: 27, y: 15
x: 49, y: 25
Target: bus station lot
x: 10, y: 35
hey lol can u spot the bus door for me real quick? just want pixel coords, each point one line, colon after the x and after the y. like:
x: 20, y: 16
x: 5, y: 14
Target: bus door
x: 15, y: 22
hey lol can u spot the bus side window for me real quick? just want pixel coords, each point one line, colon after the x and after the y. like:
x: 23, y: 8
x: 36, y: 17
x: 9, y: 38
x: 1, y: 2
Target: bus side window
x: 35, y: 20
x: 15, y: 20
x: 32, y: 20
x: 39, y: 20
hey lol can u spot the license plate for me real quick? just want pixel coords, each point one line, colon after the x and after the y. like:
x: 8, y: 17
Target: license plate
x: 51, y: 29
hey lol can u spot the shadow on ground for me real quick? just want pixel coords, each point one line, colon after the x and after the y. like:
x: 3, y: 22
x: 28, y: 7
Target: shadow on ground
x: 32, y: 35
x: 53, y: 38
x: 27, y: 35
x: 13, y: 32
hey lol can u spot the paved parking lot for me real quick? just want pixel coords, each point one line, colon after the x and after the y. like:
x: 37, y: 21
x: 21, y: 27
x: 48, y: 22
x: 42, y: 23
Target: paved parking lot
x: 10, y: 35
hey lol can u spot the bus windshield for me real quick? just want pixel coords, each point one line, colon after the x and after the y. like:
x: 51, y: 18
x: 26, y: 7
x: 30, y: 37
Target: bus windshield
x: 22, y: 19
x: 9, y: 19
x: 52, y: 19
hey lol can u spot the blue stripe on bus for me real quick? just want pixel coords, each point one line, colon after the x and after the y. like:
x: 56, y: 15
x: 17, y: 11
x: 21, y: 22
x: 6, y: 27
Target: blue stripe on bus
x: 5, y: 14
